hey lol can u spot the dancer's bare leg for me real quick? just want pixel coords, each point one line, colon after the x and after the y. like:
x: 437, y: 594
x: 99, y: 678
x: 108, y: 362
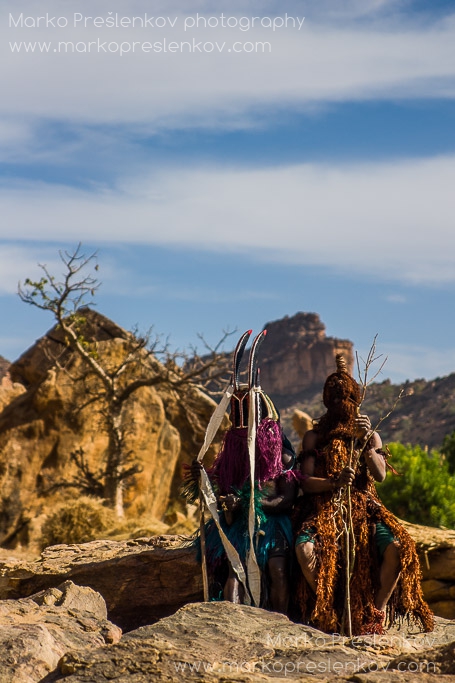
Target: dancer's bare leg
x: 307, y: 561
x: 233, y: 589
x: 389, y: 575
x: 279, y: 585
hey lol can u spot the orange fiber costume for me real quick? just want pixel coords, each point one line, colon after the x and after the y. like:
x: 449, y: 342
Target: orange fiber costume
x: 321, y: 517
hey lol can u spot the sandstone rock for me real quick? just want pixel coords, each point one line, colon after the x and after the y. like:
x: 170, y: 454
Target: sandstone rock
x: 441, y: 565
x: 9, y: 390
x: 4, y: 366
x: 46, y: 418
x: 215, y: 642
x: 438, y: 590
x: 37, y: 631
x: 301, y: 422
x: 145, y: 579
x: 438, y: 660
x: 297, y: 357
x: 436, y: 548
x: 140, y: 581
x: 443, y: 608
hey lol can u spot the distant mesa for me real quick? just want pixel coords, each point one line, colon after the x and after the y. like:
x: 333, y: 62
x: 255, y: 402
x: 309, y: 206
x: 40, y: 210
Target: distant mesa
x: 297, y: 357
x: 4, y: 366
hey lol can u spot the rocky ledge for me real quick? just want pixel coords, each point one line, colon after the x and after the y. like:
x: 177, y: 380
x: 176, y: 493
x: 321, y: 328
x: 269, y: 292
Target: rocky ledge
x: 141, y: 580
x: 146, y: 579
x: 36, y: 632
x: 60, y: 618
x: 222, y: 642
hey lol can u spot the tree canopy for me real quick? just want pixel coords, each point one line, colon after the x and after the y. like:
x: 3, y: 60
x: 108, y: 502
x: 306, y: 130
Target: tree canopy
x: 424, y: 493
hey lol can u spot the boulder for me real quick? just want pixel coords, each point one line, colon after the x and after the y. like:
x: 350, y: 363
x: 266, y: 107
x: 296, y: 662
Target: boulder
x: 46, y: 416
x: 9, y: 390
x: 436, y: 548
x: 35, y: 632
x: 301, y: 422
x: 219, y: 642
x: 141, y: 580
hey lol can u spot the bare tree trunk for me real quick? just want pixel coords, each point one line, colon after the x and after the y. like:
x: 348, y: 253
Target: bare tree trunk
x: 113, y: 484
x: 119, y: 510
x: 113, y: 494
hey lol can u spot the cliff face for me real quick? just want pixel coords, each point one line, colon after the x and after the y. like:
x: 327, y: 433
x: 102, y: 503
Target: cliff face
x: 296, y: 357
x: 48, y: 414
x: 4, y: 365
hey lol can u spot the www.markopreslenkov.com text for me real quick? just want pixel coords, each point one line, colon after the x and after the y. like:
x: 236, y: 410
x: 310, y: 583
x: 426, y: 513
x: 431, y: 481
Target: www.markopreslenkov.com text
x: 137, y: 47
x: 288, y: 668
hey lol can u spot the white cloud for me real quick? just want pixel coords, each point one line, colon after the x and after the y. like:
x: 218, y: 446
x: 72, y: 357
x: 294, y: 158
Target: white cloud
x: 13, y: 134
x: 20, y: 261
x: 396, y: 299
x: 405, y: 361
x: 324, y: 62
x: 389, y: 221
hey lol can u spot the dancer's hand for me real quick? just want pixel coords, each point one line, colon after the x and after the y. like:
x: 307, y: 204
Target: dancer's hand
x: 345, y: 478
x: 229, y: 503
x: 363, y: 426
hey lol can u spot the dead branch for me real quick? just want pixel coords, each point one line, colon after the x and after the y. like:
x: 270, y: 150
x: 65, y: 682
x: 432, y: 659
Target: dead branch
x: 371, y: 358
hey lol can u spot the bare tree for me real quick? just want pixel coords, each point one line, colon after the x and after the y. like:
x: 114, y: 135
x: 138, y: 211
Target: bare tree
x: 145, y: 361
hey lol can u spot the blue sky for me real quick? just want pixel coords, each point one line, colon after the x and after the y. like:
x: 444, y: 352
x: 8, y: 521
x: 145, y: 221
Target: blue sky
x: 225, y: 190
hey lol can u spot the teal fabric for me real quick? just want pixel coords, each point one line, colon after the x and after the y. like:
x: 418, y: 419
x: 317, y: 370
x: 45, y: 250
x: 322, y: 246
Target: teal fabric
x: 237, y: 534
x: 383, y: 537
x: 268, y: 529
x: 306, y: 536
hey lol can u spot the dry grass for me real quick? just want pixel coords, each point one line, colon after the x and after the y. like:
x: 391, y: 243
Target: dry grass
x: 88, y: 519
x: 79, y: 521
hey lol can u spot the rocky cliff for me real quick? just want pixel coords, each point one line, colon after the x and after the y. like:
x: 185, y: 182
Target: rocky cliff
x: 50, y: 411
x: 423, y: 416
x: 297, y: 356
x: 60, y: 617
x: 4, y: 365
x: 145, y: 579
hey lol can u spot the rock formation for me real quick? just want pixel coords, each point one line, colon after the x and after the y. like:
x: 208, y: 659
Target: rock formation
x: 141, y: 580
x: 436, y: 549
x: 220, y: 642
x: 36, y: 632
x: 423, y: 416
x: 53, y: 629
x: 47, y: 415
x: 9, y: 390
x: 145, y: 579
x: 4, y: 365
x: 296, y: 357
x: 301, y: 423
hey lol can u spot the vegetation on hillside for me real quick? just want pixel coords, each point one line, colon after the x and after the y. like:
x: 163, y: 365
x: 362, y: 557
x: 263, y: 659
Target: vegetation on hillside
x: 448, y: 451
x: 424, y: 415
x: 424, y: 493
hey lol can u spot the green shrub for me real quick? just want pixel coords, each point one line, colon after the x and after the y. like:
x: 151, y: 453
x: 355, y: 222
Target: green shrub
x: 425, y: 491
x: 79, y: 521
x: 448, y: 450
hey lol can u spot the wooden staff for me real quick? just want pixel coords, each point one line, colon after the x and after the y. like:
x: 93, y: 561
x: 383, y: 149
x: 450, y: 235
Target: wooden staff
x: 205, y: 581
